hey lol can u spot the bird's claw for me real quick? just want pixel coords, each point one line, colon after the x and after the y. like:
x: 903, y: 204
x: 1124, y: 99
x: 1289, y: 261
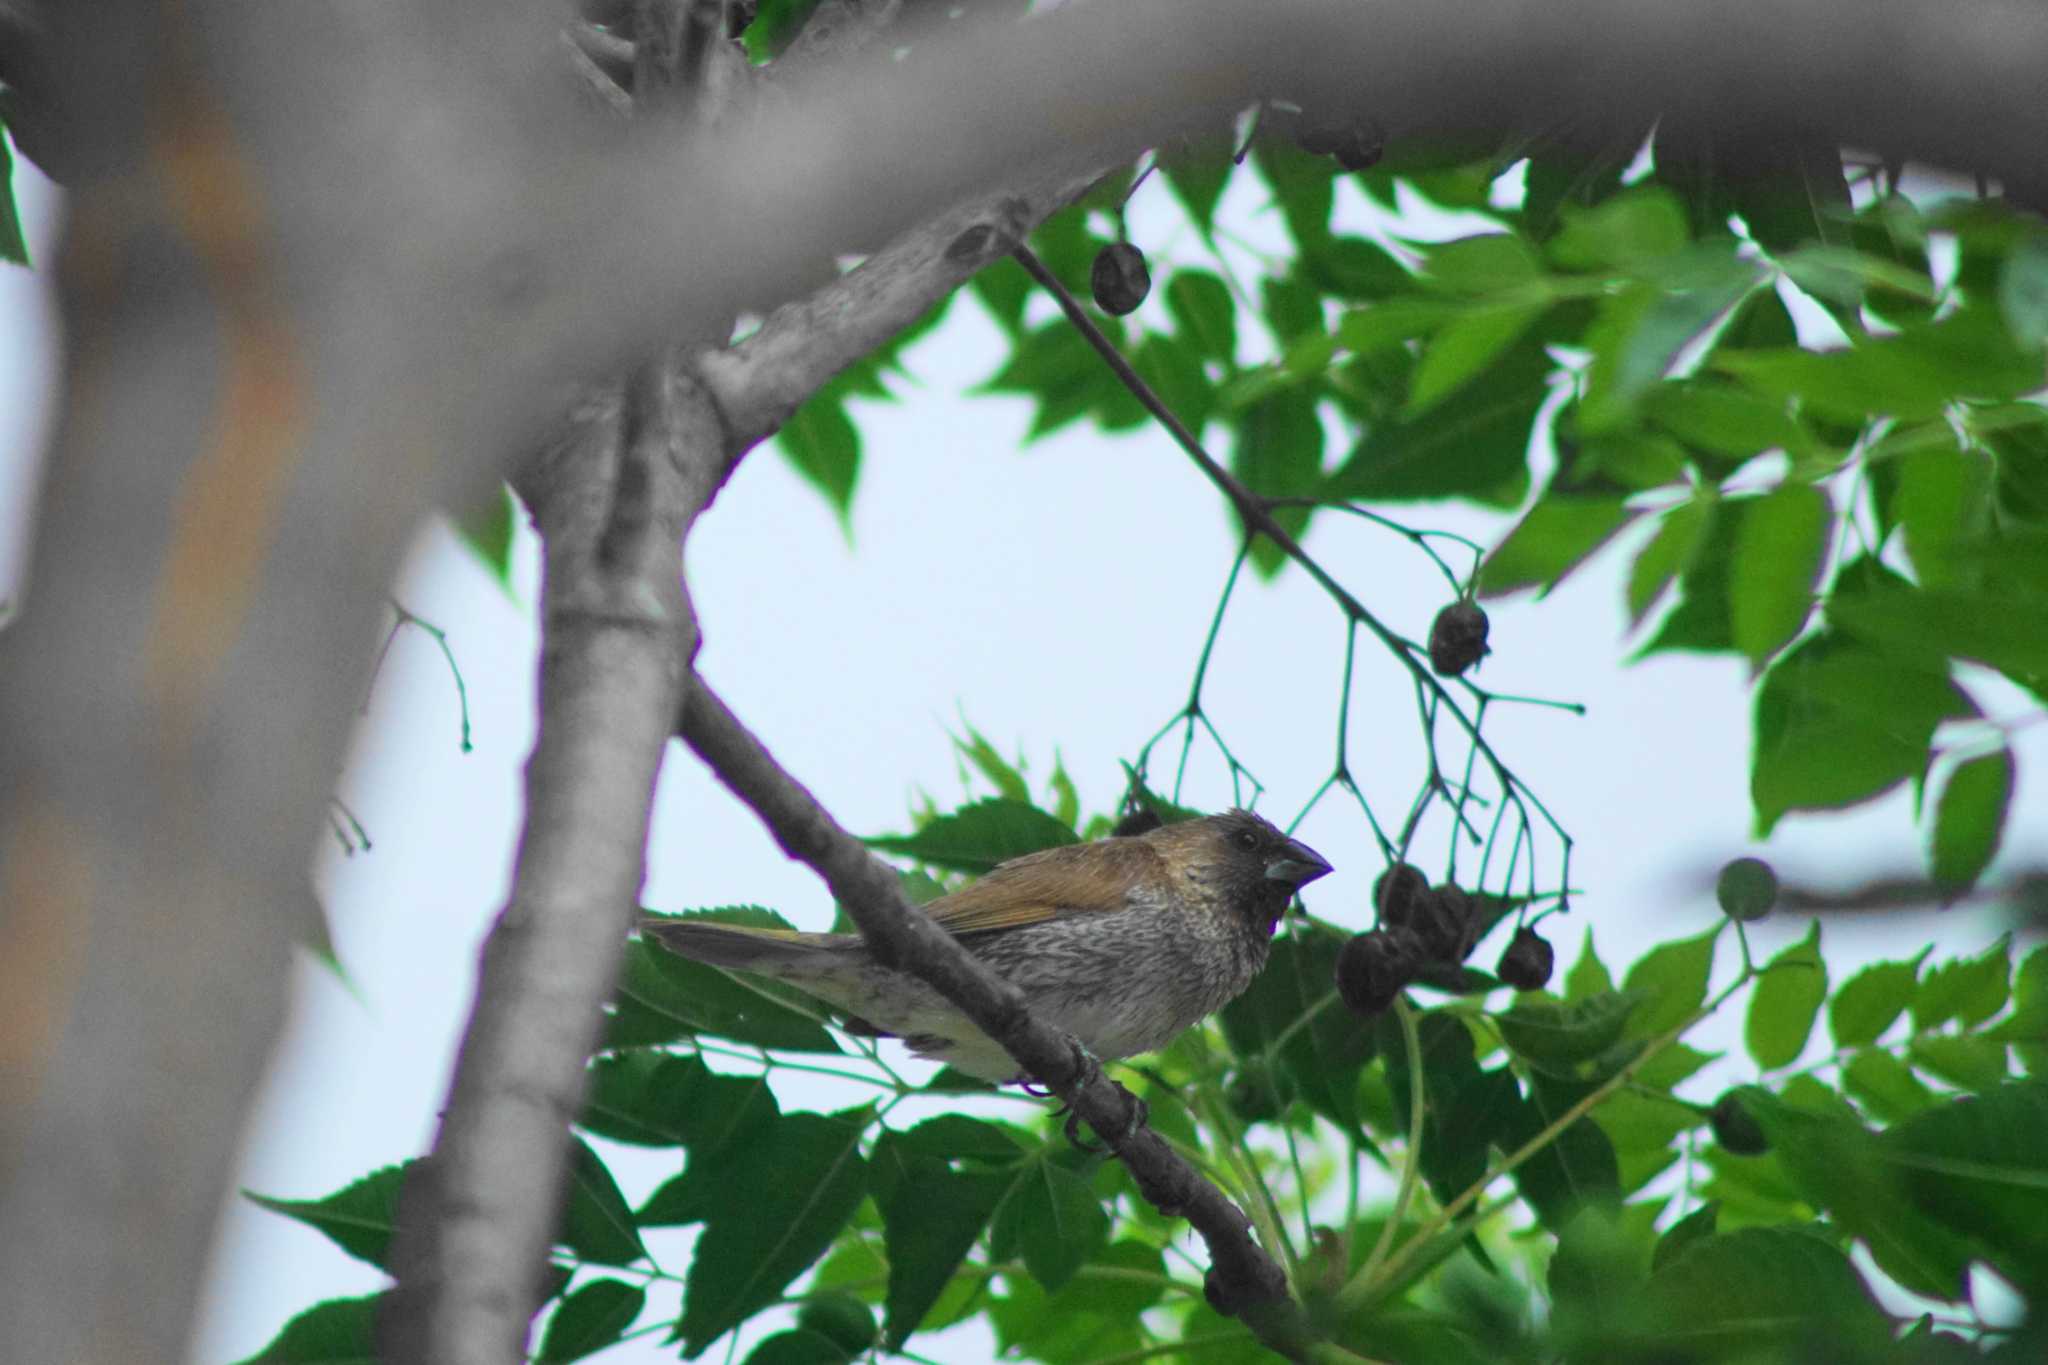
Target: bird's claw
x: 1089, y: 1070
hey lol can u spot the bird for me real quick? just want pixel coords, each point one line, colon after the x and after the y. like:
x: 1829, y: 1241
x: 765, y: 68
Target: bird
x: 1124, y: 942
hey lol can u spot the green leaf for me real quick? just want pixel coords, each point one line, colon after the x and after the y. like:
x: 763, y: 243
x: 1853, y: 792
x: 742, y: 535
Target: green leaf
x: 1629, y: 229
x: 1352, y: 268
x: 1978, y: 1167
x: 1722, y: 418
x: 2022, y: 289
x: 1869, y: 1001
x: 1680, y: 532
x: 1967, y: 1061
x: 1885, y: 1086
x: 1778, y: 554
x: 1578, y: 1168
x: 1391, y: 322
x: 1204, y: 313
x: 1970, y: 989
x: 1643, y: 1129
x: 1682, y: 1234
x: 1174, y: 371
x: 1837, y: 724
x: 1638, y: 335
x: 2007, y: 631
x: 1912, y: 375
x: 1323, y: 1057
x: 359, y: 1218
x: 1969, y: 817
x: 337, y: 1332
x: 799, y: 1346
x: 1559, y: 533
x: 1672, y: 1065
x: 1086, y: 1318
x: 1056, y: 368
x: 1492, y: 263
x: 1463, y: 347
x: 1551, y: 1034
x: 821, y: 443
x: 598, y: 1226
x: 781, y: 1201
x: 1756, y: 1290
x: 1588, y: 976
x: 1844, y: 275
x: 1197, y: 178
x: 977, y: 837
x: 956, y: 1135
x: 13, y: 241
x: 931, y: 1216
x: 485, y: 528
x: 656, y: 1099
x: 1053, y: 1217
x: 1301, y: 188
x: 1943, y: 502
x: 1279, y: 454
x: 1787, y: 1000
x: 1672, y: 980
x: 1294, y: 309
x: 1839, y: 1166
x: 1476, y: 449
x: 663, y: 996
x: 590, y: 1319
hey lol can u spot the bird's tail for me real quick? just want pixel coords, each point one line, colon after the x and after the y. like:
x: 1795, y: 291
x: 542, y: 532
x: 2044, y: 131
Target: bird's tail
x: 745, y: 949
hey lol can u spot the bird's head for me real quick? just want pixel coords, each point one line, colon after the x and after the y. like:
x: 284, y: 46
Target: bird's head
x: 1245, y: 858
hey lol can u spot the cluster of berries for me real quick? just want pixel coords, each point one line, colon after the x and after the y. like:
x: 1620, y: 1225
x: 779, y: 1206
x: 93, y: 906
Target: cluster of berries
x: 1424, y: 929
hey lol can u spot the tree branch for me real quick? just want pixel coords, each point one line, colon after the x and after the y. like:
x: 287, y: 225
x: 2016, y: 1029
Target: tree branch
x: 1243, y: 1279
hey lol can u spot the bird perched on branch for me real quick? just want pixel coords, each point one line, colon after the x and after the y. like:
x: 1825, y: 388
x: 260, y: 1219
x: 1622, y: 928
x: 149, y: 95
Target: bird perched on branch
x: 1123, y: 942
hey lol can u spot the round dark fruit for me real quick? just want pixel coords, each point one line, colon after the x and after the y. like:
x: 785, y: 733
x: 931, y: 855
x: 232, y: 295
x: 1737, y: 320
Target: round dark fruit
x: 1444, y: 920
x: 1527, y: 962
x: 1362, y: 146
x: 1119, y: 278
x: 1457, y: 638
x: 1397, y: 893
x: 1747, y: 889
x: 1735, y: 1128
x: 1372, y: 969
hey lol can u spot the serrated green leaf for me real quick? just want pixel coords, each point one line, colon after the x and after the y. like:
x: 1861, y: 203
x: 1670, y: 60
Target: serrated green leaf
x: 783, y: 1198
x: 337, y: 1332
x: 1757, y: 1289
x: 1970, y: 989
x: 1465, y: 345
x: 1279, y: 454
x: 1680, y: 532
x: 1559, y: 1035
x: 1557, y: 535
x: 1964, y: 1060
x: 2023, y: 289
x: 597, y: 1224
x: 1777, y: 561
x: 1630, y: 229
x: 1053, y: 1218
x: 592, y: 1318
x: 823, y: 445
x: 1204, y: 313
x: 1969, y: 817
x: 1885, y: 1086
x: 931, y: 1217
x: 1787, y: 1000
x: 1588, y: 976
x: 1977, y: 1167
x: 977, y: 837
x: 1837, y: 723
x: 359, y: 1218
x: 1476, y: 449
x: 1672, y: 980
x: 487, y: 528
x: 1871, y: 1000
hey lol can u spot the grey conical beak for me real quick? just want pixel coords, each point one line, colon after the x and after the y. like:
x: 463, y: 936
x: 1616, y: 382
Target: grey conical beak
x: 1296, y: 864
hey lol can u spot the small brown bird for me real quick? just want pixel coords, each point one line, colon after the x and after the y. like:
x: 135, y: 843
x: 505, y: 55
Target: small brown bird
x: 1123, y: 942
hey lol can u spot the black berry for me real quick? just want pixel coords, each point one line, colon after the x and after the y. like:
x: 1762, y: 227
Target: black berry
x: 1735, y: 1128
x: 1457, y: 638
x: 1444, y: 921
x: 1397, y: 893
x: 1527, y: 962
x: 1119, y: 279
x: 1372, y: 969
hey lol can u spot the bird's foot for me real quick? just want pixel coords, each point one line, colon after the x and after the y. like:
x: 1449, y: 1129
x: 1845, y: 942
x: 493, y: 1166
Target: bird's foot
x: 1088, y: 1071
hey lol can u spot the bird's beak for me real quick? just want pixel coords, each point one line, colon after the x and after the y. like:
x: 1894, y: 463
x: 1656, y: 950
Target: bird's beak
x: 1297, y: 864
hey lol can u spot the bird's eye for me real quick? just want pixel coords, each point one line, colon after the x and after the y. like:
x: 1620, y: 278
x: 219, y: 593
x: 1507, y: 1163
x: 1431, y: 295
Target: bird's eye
x: 1248, y: 838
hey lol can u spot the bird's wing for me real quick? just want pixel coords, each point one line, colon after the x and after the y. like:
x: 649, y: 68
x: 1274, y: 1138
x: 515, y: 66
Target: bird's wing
x: 1076, y: 879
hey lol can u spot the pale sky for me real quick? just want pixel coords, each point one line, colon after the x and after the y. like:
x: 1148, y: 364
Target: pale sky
x: 1055, y: 595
